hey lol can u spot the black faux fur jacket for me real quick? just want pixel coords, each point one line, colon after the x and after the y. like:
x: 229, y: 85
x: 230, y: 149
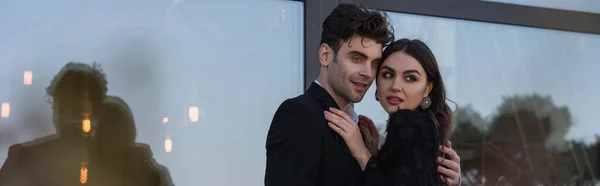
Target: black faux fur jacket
x: 409, y: 154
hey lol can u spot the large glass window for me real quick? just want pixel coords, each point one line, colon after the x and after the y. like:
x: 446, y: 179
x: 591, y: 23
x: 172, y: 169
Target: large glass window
x: 525, y: 99
x: 202, y: 78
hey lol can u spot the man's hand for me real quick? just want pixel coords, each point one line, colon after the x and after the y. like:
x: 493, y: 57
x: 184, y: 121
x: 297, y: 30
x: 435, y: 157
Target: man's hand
x: 369, y: 133
x: 449, y: 168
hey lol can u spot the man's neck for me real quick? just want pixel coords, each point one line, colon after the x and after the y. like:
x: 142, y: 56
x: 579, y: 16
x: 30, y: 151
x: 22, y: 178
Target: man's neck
x: 341, y: 102
x: 348, y: 108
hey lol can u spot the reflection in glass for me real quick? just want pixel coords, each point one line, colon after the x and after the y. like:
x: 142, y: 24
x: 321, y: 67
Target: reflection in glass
x: 168, y: 144
x: 193, y: 114
x: 161, y: 60
x: 83, y: 173
x: 27, y: 78
x: 5, y: 110
x: 86, y: 126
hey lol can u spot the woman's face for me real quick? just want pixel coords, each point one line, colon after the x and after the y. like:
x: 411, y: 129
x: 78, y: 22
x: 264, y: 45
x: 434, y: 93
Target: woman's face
x: 401, y: 83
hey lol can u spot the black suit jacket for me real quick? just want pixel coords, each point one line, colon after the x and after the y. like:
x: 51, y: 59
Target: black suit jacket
x: 57, y: 161
x: 302, y: 150
x: 47, y: 161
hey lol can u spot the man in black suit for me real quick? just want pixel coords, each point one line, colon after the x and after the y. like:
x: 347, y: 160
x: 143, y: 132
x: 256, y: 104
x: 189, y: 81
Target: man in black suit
x: 76, y: 93
x: 301, y: 148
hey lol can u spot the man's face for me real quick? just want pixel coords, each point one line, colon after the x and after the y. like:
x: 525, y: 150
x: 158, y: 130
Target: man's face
x: 72, y: 102
x: 352, y: 71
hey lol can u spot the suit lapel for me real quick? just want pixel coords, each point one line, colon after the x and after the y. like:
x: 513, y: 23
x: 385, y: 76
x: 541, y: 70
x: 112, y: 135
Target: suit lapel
x: 322, y: 96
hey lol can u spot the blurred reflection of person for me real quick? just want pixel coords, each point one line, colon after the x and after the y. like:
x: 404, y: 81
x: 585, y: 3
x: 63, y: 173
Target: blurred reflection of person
x: 76, y: 93
x: 118, y: 159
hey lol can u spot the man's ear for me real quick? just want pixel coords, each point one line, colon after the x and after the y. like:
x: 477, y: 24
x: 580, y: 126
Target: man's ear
x: 325, y: 55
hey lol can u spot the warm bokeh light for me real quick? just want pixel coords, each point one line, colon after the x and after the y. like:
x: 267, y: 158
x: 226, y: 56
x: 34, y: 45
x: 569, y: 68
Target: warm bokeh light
x: 168, y: 145
x: 5, y: 110
x: 165, y: 120
x: 83, y: 173
x: 86, y: 126
x: 27, y: 78
x: 193, y: 114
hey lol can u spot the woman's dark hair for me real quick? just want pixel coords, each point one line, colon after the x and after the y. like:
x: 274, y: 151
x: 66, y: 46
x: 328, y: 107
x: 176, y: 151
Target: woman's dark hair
x: 117, y: 124
x: 439, y: 110
x: 115, y: 139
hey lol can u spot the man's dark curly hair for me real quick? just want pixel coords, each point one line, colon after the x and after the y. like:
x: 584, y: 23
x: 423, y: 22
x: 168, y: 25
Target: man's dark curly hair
x: 92, y: 75
x: 346, y: 20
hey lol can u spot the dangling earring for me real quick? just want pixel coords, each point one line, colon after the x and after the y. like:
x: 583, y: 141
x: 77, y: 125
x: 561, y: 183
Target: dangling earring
x: 425, y: 103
